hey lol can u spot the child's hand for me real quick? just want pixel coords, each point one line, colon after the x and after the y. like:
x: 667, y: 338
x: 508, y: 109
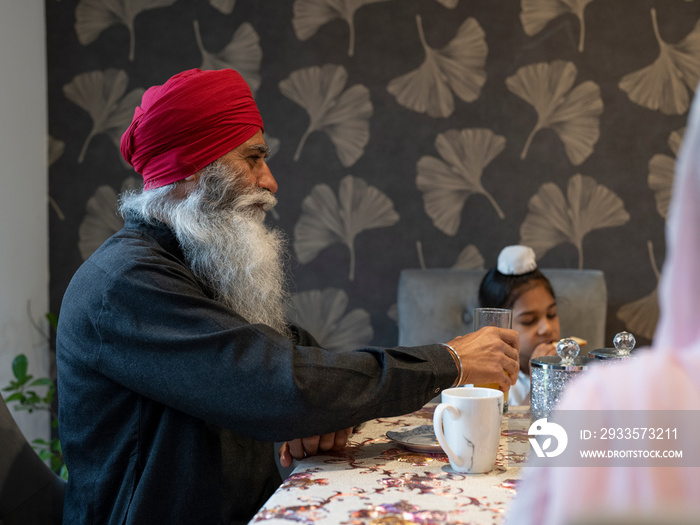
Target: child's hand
x: 541, y: 350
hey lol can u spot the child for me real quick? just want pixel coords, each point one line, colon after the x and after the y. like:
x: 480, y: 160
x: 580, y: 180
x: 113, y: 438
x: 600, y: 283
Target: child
x: 517, y: 284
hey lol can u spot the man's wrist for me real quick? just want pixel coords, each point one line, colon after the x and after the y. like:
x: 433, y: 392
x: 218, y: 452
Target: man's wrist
x: 458, y: 363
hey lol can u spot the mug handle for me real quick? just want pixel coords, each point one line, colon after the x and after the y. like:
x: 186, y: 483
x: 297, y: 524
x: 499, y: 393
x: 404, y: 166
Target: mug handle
x: 437, y: 425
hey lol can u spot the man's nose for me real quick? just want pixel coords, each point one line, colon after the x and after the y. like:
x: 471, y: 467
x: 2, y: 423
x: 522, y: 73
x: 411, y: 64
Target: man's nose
x: 267, y: 180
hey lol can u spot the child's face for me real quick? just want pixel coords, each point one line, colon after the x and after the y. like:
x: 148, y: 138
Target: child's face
x: 536, y: 321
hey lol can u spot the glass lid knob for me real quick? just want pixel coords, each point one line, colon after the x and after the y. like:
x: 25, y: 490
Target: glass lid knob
x: 568, y: 350
x: 624, y: 343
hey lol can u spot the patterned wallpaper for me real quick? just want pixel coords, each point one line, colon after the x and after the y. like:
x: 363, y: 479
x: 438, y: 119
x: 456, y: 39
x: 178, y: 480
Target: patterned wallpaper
x: 405, y: 134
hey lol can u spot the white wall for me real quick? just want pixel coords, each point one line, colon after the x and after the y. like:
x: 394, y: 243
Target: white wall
x: 24, y: 241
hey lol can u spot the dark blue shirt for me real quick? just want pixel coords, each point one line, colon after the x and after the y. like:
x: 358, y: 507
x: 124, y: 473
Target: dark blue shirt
x: 169, y: 402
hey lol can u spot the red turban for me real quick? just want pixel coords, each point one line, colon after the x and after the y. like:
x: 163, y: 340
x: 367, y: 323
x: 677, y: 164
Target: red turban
x: 187, y: 123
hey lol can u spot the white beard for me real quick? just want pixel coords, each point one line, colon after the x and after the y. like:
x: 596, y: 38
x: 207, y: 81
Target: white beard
x: 220, y: 227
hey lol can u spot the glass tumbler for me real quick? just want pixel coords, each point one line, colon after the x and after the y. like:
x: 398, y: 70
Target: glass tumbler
x: 502, y: 318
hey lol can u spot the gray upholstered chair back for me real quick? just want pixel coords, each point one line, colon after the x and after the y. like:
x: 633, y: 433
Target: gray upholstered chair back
x: 436, y: 305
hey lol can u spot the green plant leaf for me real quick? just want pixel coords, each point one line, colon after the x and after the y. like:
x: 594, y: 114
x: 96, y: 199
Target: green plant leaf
x: 52, y: 319
x: 48, y: 398
x: 56, y: 463
x: 63, y: 472
x: 32, y: 397
x: 14, y: 397
x: 19, y: 366
x: 24, y: 380
x: 43, y: 381
x: 39, y: 441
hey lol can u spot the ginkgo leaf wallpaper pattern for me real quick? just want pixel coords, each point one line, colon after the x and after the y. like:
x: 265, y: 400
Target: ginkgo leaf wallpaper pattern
x: 405, y: 134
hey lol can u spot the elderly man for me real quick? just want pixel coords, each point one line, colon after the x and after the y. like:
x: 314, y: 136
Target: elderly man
x: 176, y: 369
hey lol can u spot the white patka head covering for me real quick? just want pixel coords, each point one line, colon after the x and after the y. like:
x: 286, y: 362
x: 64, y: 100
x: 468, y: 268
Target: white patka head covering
x: 516, y: 260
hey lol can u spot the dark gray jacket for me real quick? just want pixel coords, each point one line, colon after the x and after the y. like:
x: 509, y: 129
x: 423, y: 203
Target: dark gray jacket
x: 169, y: 402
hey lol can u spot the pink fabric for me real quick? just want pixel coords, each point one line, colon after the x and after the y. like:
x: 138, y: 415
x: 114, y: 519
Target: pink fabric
x: 664, y: 377
x: 187, y: 123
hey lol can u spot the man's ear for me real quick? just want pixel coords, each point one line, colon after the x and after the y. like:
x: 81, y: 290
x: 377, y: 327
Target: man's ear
x: 184, y: 186
x: 194, y: 177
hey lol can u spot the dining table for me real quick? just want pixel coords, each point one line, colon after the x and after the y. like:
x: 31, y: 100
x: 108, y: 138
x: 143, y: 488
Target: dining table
x: 384, y: 477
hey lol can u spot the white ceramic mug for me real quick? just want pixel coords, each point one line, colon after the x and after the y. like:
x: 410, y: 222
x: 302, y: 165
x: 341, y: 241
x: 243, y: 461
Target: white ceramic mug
x: 472, y: 427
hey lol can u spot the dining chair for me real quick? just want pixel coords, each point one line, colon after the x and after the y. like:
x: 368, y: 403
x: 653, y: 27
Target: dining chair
x: 30, y: 492
x: 435, y: 305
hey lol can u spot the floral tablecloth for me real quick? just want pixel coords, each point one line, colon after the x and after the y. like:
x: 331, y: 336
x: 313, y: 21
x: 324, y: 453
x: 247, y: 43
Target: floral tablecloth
x: 376, y: 480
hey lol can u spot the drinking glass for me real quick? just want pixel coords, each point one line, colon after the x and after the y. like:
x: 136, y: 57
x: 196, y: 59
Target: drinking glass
x: 502, y: 318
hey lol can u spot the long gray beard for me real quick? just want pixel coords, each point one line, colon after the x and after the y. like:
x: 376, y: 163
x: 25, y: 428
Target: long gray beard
x: 220, y: 227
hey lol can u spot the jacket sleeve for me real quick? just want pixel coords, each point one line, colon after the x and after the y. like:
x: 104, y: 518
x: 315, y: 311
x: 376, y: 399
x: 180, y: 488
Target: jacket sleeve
x: 151, y: 328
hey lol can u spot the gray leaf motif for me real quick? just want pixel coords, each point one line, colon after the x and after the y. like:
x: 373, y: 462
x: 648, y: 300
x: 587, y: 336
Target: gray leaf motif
x: 322, y: 314
x: 101, y: 220
x: 115, y: 134
x: 224, y: 6
x: 641, y: 316
x: 448, y: 183
x: 56, y: 148
x: 101, y: 94
x: 243, y: 53
x: 94, y: 16
x: 274, y: 144
x: 664, y: 84
x: 573, y: 114
x: 661, y: 173
x: 393, y: 313
x: 449, y: 4
x: 553, y: 219
x: 326, y: 220
x: 536, y: 14
x: 458, y: 67
x: 309, y: 15
x: 469, y: 258
x: 343, y: 115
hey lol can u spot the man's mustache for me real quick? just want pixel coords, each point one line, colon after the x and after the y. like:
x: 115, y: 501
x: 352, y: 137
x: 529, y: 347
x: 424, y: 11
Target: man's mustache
x: 236, y: 197
x: 257, y: 198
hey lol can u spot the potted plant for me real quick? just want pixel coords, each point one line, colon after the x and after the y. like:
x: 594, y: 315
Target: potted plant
x: 25, y: 394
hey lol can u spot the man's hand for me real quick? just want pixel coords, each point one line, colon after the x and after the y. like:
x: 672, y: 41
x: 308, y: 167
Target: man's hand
x: 489, y: 355
x: 310, y: 446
